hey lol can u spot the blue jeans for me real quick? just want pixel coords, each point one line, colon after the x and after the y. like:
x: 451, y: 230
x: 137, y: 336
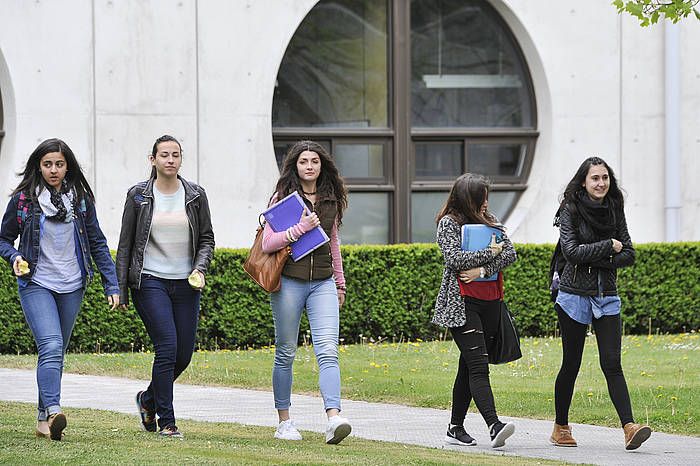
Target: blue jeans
x: 170, y: 311
x: 320, y: 299
x: 51, y: 317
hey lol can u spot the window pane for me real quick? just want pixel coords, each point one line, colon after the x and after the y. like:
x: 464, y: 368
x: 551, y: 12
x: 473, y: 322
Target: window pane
x: 496, y: 159
x: 441, y: 160
x: 334, y: 73
x: 500, y: 202
x: 366, y: 221
x: 424, y: 208
x: 360, y: 160
x: 466, y: 70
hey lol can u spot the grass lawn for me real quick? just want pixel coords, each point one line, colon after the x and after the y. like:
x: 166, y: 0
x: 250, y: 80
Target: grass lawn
x: 663, y: 376
x: 95, y: 437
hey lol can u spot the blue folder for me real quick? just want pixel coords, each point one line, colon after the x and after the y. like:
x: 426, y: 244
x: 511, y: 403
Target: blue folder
x: 475, y: 237
x: 287, y: 213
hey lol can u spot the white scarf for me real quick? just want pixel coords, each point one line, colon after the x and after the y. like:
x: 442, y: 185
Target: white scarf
x: 50, y: 210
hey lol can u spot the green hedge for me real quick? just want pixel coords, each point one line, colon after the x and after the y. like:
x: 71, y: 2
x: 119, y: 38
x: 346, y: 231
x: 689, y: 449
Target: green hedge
x: 391, y: 291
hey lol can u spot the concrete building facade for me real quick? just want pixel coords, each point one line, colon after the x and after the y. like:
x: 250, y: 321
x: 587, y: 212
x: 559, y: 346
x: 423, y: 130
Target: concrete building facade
x: 109, y: 76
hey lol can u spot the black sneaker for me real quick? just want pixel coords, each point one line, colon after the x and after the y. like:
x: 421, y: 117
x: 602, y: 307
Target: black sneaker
x: 170, y: 432
x: 499, y: 432
x: 57, y: 422
x: 456, y: 435
x: 148, y: 416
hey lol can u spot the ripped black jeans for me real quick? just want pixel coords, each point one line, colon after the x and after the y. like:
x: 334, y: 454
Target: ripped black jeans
x: 473, y: 340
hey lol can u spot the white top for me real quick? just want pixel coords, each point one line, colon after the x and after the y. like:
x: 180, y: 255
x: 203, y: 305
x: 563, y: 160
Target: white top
x: 169, y: 252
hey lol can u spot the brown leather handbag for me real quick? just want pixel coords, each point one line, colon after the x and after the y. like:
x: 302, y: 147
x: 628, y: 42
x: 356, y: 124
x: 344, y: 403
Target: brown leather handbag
x: 265, y: 269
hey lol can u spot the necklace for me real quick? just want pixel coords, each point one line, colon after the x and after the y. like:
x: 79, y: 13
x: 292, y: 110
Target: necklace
x: 309, y: 194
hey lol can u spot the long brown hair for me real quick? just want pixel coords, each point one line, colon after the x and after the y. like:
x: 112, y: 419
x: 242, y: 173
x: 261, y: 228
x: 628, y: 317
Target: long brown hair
x: 329, y: 186
x: 576, y: 187
x: 468, y: 194
x: 32, y: 178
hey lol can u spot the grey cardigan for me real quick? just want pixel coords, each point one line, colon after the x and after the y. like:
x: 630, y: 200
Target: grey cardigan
x: 449, y: 305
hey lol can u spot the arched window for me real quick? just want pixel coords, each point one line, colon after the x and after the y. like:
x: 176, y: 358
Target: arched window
x: 407, y: 96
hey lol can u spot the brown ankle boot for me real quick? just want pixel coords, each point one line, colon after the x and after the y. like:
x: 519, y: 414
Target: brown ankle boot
x: 561, y: 436
x: 635, y: 435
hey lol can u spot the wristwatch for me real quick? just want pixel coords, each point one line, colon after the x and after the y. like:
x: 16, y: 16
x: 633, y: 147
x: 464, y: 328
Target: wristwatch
x: 482, y: 272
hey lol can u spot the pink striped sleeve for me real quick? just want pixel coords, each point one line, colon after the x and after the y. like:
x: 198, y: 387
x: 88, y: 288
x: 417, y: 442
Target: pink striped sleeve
x: 338, y: 273
x: 273, y: 241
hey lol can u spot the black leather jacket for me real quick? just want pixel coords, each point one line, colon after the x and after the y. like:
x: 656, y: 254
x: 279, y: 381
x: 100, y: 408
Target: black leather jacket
x: 591, y: 264
x: 136, y: 228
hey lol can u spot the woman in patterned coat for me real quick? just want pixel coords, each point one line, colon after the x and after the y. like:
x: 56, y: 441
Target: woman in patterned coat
x: 471, y: 310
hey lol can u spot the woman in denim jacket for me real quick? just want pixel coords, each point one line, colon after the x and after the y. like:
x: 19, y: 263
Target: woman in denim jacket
x: 52, y: 210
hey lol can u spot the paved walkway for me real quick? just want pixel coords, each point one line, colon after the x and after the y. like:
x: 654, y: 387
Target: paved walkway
x: 375, y: 421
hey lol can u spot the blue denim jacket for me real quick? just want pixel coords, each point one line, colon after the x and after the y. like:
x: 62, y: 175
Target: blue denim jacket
x: 90, y: 241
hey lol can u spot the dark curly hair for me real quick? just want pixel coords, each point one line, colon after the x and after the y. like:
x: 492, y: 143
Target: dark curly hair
x: 329, y: 186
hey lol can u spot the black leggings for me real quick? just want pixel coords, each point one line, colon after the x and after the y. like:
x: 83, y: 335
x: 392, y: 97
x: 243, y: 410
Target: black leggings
x: 472, y: 379
x: 573, y: 338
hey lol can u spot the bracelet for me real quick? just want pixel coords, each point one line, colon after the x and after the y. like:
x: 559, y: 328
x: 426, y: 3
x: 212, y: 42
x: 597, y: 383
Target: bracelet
x: 341, y: 287
x: 290, y: 236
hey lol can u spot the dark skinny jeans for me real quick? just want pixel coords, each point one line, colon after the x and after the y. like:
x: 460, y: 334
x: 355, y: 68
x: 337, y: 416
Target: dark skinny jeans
x: 473, y: 340
x: 170, y: 311
x: 573, y: 338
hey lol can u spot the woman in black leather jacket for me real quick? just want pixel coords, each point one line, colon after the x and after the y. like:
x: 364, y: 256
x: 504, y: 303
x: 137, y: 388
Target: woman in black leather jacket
x: 165, y: 246
x: 594, y: 243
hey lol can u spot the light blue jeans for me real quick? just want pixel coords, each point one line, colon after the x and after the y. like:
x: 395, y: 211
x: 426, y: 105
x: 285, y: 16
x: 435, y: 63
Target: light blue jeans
x: 320, y: 299
x: 51, y: 317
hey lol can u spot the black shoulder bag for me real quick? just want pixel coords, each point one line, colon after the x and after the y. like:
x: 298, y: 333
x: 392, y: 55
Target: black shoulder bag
x: 506, y: 348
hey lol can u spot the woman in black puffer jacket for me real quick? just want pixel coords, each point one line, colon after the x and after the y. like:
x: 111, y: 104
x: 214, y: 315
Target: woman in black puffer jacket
x: 594, y: 243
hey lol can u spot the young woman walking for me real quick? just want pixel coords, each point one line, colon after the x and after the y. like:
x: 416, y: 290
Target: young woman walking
x: 166, y: 238
x: 595, y: 243
x: 316, y: 283
x: 472, y: 315
x: 52, y: 210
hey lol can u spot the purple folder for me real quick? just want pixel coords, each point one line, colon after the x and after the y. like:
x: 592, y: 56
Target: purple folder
x: 287, y: 213
x: 476, y: 236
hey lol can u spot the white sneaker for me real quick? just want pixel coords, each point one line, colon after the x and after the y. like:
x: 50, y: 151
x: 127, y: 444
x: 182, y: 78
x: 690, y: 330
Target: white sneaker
x: 338, y: 428
x: 287, y: 431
